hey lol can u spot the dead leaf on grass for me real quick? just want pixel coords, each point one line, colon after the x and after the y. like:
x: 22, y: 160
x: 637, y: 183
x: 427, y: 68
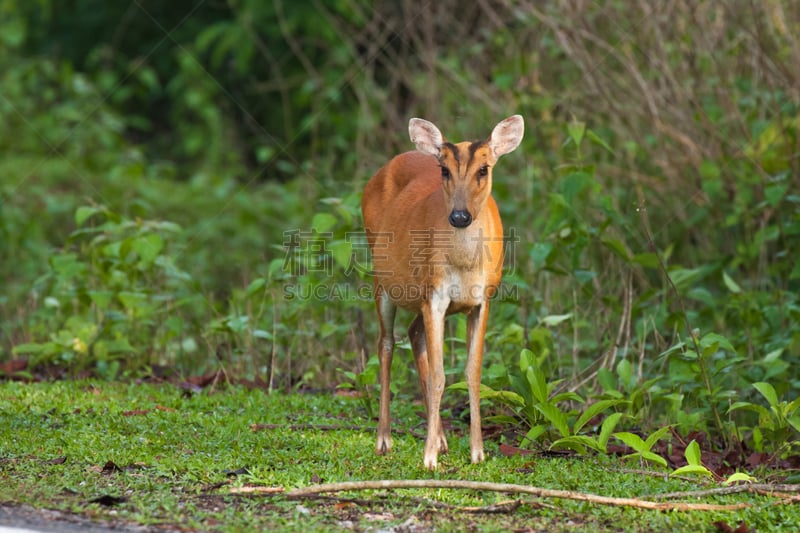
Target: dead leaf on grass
x: 136, y: 412
x: 511, y: 451
x: 725, y: 528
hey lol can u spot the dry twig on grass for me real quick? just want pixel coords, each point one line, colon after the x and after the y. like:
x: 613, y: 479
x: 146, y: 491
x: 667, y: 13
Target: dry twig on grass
x: 509, y: 488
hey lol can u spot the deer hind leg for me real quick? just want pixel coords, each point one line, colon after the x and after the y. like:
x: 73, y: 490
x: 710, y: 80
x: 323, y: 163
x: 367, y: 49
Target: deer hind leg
x: 416, y: 334
x: 386, y: 314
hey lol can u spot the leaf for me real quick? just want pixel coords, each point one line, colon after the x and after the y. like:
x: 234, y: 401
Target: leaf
x: 768, y: 392
x: 554, y: 320
x: 555, y: 416
x: 631, y: 440
x: 653, y: 458
x: 691, y: 469
x: 607, y: 428
x: 732, y: 285
x: 323, y: 222
x: 592, y: 136
x: 28, y: 347
x: 740, y: 477
x: 537, y: 382
x: 711, y: 339
x: 692, y: 453
x: 84, y: 212
x: 579, y: 443
x: 657, y: 436
x: 148, y: 246
x: 592, y: 411
x: 616, y: 246
x: 534, y: 433
x: 576, y: 129
x: 255, y: 286
x: 646, y: 259
x: 607, y: 380
x: 342, y: 252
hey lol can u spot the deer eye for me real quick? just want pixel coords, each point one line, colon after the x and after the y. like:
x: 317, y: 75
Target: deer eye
x: 483, y: 171
x: 445, y: 173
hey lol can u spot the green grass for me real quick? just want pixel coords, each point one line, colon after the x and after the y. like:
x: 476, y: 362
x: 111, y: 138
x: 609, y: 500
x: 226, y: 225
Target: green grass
x: 176, y: 453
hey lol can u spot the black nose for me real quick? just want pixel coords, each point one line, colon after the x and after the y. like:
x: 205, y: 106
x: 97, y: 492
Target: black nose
x: 460, y: 218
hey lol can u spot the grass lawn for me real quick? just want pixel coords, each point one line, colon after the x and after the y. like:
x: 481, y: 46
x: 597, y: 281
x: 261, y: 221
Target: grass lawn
x: 159, y: 456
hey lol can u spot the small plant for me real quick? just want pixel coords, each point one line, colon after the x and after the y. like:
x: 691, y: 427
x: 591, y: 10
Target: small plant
x: 694, y: 463
x: 534, y: 401
x: 643, y: 448
x: 362, y: 383
x: 776, y: 425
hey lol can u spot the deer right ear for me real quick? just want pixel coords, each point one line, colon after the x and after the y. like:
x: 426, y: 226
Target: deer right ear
x: 426, y: 136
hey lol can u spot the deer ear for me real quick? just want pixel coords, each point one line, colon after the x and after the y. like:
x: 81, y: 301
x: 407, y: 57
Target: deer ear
x: 426, y: 136
x: 507, y: 135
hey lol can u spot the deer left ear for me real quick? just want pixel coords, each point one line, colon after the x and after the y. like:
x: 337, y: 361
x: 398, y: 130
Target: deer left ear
x: 507, y: 135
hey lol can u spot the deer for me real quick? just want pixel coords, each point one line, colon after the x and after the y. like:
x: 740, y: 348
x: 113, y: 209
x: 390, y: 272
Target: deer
x: 436, y: 239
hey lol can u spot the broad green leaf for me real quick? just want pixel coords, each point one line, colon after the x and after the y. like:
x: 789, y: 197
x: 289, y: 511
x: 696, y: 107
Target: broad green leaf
x: 691, y: 469
x: 631, y: 440
x: 554, y: 320
x: 535, y: 432
x: 592, y: 411
x: 653, y: 458
x: 768, y: 392
x: 657, y: 436
x: 84, y: 212
x: 567, y: 396
x: 607, y: 428
x: 711, y: 339
x: 102, y: 299
x: 554, y: 415
x: 579, y: 443
x: 592, y: 136
x: 607, y: 380
x: 342, y: 252
x: 739, y: 477
x: 537, y: 382
x: 526, y: 360
x: 148, y: 246
x: 616, y: 246
x: 625, y: 373
x: 323, y: 222
x: 646, y: 259
x: 692, y: 453
x: 255, y: 286
x: 732, y: 285
x: 28, y: 347
x: 576, y: 130
x: 685, y: 277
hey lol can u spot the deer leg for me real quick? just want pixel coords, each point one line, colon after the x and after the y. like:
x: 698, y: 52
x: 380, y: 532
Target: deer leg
x: 416, y: 334
x: 386, y: 313
x: 433, y: 312
x: 476, y: 330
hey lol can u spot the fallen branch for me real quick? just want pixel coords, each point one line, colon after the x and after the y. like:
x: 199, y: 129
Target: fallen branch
x: 510, y: 488
x: 760, y: 488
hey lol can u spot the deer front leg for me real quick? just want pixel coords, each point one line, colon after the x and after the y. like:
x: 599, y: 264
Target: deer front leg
x: 419, y: 345
x: 386, y: 313
x: 433, y: 316
x: 476, y: 330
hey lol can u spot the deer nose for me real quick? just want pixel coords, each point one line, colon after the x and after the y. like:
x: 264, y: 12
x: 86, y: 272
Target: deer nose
x: 460, y: 218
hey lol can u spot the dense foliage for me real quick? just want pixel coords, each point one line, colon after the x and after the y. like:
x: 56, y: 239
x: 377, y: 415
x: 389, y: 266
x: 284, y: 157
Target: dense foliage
x: 181, y: 184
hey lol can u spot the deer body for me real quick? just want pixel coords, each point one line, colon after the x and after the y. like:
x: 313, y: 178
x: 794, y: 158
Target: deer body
x: 437, y: 245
